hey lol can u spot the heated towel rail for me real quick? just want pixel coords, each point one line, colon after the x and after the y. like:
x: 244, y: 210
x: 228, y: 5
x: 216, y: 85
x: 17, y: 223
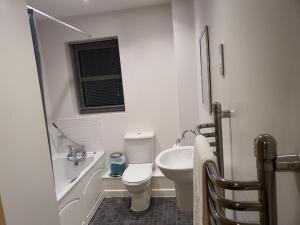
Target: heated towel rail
x: 265, y: 149
x: 218, y: 115
x: 267, y: 163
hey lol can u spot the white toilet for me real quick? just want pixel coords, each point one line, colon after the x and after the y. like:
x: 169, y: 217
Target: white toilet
x: 139, y: 149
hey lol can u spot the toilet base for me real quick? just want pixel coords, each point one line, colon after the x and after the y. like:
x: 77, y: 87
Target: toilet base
x: 140, y: 201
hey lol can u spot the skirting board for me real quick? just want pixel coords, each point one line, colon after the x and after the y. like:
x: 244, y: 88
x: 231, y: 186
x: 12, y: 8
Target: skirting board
x: 155, y: 193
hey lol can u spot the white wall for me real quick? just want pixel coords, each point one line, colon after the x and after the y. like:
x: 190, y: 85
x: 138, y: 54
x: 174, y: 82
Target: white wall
x: 260, y: 85
x: 147, y: 54
x: 26, y: 179
x: 185, y: 65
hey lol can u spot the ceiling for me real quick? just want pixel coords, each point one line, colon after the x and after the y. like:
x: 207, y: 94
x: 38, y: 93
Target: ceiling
x: 66, y: 8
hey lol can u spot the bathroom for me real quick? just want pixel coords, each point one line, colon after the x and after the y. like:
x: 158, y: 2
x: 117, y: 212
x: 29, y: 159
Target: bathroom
x: 252, y: 55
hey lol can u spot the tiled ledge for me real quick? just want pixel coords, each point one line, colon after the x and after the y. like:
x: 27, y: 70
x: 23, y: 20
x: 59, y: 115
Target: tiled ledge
x: 156, y: 173
x: 160, y: 186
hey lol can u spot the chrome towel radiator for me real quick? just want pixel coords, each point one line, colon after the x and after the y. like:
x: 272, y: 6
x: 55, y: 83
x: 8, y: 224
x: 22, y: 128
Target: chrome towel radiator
x: 265, y: 148
x: 267, y: 163
x: 218, y: 115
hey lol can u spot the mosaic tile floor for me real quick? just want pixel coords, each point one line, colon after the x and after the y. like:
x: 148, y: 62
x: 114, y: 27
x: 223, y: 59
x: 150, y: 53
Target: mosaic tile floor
x: 162, y: 211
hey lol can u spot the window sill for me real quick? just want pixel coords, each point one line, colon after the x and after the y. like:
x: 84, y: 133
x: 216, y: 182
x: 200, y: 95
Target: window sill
x: 104, y: 109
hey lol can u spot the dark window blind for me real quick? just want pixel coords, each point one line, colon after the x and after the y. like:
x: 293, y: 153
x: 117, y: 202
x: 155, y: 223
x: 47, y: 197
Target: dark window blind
x: 98, y: 76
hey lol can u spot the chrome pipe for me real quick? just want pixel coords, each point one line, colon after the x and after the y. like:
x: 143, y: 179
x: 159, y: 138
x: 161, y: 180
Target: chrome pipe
x: 64, y: 135
x: 213, y: 144
x: 222, y: 220
x: 265, y: 150
x: 230, y: 204
x: 209, y: 134
x: 288, y: 162
x: 227, y: 114
x: 214, y: 176
x: 212, y: 220
x: 217, y: 112
x: 206, y: 125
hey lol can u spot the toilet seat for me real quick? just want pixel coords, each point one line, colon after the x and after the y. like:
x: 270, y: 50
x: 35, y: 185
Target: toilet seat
x: 136, y: 174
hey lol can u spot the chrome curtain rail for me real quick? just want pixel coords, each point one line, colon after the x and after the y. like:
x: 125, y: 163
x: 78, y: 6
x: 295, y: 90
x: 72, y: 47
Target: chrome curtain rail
x: 58, y: 21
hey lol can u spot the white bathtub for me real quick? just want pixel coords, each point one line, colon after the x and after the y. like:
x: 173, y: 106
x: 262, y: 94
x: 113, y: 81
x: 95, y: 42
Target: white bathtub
x: 79, y: 189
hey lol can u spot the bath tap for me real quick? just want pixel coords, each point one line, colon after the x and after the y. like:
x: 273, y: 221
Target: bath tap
x: 179, y: 140
x: 77, y: 151
x: 76, y: 154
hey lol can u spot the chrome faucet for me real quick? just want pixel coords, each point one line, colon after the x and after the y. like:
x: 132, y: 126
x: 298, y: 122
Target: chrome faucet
x: 76, y: 154
x: 179, y: 140
x: 77, y: 151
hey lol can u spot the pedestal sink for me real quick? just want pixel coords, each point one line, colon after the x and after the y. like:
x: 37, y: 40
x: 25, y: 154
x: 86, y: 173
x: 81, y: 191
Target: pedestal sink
x: 177, y: 164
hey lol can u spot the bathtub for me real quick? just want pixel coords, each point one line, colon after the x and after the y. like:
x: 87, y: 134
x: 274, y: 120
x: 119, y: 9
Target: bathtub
x: 79, y: 188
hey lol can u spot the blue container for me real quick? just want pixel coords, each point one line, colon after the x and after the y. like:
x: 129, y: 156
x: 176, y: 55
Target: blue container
x: 117, y: 164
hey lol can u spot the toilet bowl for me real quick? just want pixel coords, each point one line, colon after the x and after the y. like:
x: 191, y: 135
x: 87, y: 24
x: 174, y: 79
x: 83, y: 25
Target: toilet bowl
x: 137, y: 179
x: 139, y: 149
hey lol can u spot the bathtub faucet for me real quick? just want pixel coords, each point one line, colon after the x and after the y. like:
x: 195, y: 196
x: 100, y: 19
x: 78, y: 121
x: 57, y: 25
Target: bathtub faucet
x: 76, y: 154
x: 77, y: 151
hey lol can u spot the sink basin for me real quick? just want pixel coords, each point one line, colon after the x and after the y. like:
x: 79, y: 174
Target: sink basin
x: 177, y: 164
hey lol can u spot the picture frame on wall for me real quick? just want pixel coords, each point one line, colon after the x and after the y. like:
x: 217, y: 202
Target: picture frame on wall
x: 205, y: 71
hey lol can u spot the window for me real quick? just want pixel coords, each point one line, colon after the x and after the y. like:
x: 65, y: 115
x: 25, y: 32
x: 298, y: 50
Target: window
x: 98, y: 76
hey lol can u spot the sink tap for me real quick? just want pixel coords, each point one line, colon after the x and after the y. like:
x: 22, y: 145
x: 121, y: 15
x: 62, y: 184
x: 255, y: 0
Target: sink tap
x: 179, y: 140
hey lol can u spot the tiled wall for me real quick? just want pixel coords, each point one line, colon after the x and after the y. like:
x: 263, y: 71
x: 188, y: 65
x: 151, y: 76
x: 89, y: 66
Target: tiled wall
x: 86, y: 130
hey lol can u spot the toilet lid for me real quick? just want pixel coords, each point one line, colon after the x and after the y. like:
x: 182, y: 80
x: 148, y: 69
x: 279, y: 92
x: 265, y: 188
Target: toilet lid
x: 136, y: 173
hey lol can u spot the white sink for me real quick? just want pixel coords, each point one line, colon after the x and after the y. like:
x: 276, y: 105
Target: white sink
x: 177, y: 164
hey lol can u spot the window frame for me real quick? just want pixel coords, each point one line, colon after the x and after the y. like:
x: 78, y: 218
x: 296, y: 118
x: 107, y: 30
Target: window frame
x: 78, y: 79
